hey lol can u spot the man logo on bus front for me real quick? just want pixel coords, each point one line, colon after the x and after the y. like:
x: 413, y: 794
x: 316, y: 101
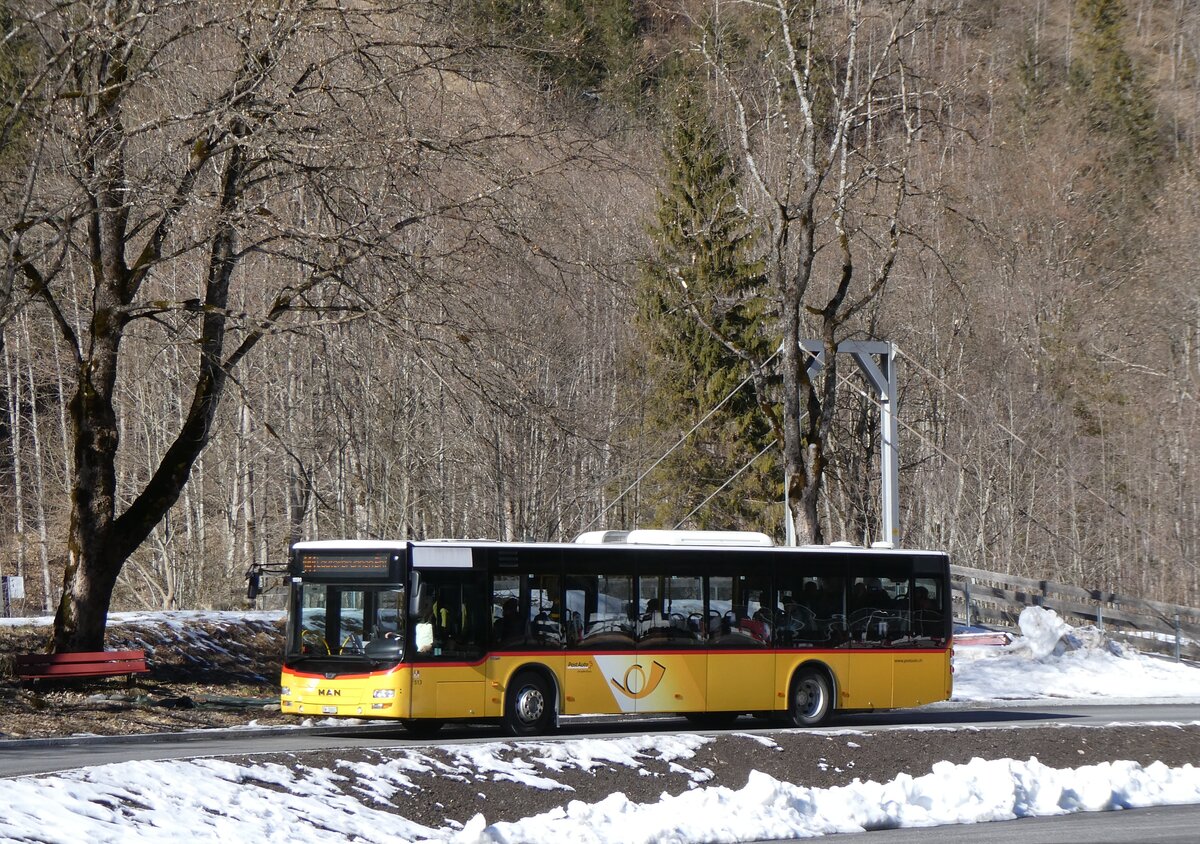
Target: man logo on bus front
x: 635, y: 684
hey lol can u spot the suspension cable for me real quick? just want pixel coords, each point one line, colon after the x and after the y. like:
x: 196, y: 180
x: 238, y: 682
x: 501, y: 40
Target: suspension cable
x: 730, y: 480
x: 680, y: 442
x: 1055, y: 464
x: 1032, y: 448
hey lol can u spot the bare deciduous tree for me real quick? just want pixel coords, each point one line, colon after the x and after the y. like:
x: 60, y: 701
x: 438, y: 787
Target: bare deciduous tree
x: 824, y: 113
x: 220, y: 171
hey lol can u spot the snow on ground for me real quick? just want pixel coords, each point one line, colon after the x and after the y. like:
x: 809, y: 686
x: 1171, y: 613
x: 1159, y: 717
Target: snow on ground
x: 215, y: 800
x: 175, y: 619
x: 1052, y: 660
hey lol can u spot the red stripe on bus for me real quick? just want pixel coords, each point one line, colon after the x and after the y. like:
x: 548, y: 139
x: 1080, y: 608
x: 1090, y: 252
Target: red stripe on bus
x: 576, y: 654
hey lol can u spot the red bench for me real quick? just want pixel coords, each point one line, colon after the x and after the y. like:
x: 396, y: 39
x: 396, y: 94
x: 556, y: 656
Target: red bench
x: 81, y: 665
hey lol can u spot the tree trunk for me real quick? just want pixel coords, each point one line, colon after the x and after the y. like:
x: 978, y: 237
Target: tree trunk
x: 92, y: 562
x: 99, y: 542
x: 12, y: 378
x: 39, y: 475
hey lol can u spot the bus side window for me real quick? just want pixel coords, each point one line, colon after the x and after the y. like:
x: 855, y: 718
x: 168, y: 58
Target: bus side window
x: 507, y: 625
x: 928, y: 622
x: 546, y: 618
x: 879, y: 612
x: 606, y: 615
x: 735, y: 614
x: 456, y: 618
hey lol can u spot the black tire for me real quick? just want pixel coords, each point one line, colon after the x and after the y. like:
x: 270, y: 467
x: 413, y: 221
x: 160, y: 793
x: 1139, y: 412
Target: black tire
x: 811, y: 700
x: 528, y: 706
x: 422, y: 728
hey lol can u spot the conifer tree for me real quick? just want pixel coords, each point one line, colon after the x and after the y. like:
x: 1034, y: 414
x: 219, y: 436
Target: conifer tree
x: 589, y: 47
x: 704, y: 283
x: 571, y: 57
x: 617, y: 33
x: 1119, y: 106
x: 17, y: 57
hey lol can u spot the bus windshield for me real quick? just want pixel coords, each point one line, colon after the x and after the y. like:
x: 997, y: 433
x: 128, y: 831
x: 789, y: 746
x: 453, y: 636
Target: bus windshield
x: 348, y: 620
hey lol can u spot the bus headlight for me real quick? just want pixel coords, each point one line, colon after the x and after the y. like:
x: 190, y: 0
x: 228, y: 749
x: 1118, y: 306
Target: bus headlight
x: 383, y: 694
x: 285, y: 691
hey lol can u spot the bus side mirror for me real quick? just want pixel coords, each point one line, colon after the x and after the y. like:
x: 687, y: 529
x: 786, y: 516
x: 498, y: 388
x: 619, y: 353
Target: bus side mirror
x: 419, y: 593
x: 253, y: 583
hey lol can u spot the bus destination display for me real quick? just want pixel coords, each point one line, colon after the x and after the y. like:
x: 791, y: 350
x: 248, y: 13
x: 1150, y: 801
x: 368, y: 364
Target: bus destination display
x: 346, y: 565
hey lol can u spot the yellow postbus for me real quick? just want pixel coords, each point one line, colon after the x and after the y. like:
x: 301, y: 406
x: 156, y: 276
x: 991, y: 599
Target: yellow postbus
x: 710, y: 625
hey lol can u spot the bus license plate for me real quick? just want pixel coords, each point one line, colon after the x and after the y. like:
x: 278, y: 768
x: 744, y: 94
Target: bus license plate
x: 329, y: 710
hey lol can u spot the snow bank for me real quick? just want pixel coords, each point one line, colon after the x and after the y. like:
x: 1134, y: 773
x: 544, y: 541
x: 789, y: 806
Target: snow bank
x: 216, y: 800
x: 768, y: 809
x: 1051, y: 659
x: 1043, y: 631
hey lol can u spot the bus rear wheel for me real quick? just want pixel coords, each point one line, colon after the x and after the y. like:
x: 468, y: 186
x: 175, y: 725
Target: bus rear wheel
x: 529, y: 706
x: 812, y: 699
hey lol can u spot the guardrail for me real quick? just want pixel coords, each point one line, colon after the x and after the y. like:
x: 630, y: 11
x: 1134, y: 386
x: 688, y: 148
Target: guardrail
x: 996, y: 600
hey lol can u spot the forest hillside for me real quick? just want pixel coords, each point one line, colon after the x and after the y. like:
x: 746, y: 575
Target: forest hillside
x: 517, y: 269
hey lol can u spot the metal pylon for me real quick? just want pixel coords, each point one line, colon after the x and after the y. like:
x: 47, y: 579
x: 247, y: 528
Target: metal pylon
x: 877, y: 360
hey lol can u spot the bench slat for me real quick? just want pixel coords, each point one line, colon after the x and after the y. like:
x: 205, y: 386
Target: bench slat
x: 92, y: 657
x: 95, y: 664
x: 78, y: 670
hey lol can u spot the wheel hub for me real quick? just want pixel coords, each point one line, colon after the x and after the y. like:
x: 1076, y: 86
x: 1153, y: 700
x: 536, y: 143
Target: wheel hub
x: 530, y: 705
x: 810, y: 698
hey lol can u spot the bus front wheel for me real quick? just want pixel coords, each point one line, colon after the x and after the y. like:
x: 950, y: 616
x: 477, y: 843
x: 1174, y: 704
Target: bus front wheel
x: 812, y: 699
x: 529, y: 706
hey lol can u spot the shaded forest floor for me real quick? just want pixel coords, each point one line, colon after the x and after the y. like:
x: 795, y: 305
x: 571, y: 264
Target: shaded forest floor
x: 205, y: 672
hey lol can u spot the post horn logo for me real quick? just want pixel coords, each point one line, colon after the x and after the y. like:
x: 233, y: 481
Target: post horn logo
x: 636, y: 685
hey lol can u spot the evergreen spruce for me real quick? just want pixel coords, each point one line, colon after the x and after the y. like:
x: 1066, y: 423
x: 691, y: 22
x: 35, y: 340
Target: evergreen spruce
x: 17, y: 60
x: 1119, y: 106
x: 703, y: 277
x: 620, y: 51
x: 571, y: 58
x: 580, y: 47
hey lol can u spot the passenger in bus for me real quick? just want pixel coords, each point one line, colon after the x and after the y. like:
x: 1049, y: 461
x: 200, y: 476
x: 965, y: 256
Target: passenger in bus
x: 545, y: 628
x: 761, y: 625
x: 574, y: 625
x: 449, y: 618
x: 766, y: 615
x: 927, y: 615
x: 877, y: 596
x: 509, y: 625
x: 922, y: 601
x: 858, y: 595
x: 831, y: 601
x: 653, y: 616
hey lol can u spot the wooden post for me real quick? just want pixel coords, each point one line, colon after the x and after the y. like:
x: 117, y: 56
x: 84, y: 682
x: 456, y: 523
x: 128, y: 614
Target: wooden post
x: 1178, y: 635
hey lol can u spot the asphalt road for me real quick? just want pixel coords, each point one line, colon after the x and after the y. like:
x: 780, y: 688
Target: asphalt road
x: 1164, y: 824
x: 1160, y: 825
x: 39, y: 756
